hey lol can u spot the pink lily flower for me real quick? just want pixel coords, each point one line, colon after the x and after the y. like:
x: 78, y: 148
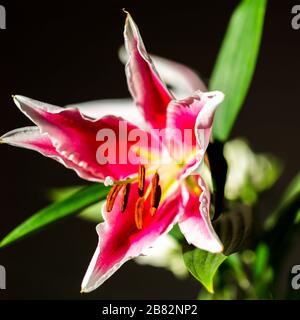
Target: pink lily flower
x: 146, y: 198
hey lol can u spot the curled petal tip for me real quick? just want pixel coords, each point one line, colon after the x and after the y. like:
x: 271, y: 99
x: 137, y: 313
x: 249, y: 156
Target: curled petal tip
x: 218, y: 96
x: 125, y: 11
x: 17, y: 100
x: 82, y: 290
x: 144, y: 83
x: 128, y: 19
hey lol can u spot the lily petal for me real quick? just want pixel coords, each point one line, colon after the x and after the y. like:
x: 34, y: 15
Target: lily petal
x: 182, y: 79
x: 32, y: 138
x: 120, y: 240
x: 181, y: 120
x: 124, y: 108
x: 194, y: 113
x: 205, y: 117
x: 145, y: 85
x: 74, y: 137
x: 195, y: 222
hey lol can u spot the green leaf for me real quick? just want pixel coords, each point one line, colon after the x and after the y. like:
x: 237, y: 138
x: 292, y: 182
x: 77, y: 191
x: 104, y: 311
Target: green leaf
x: 261, y: 262
x: 203, y: 265
x: 297, y: 218
x: 176, y: 233
x: 91, y: 213
x: 292, y: 192
x: 282, y: 228
x: 61, y: 193
x: 288, y: 203
x: 236, y: 62
x: 236, y: 265
x: 263, y: 274
x: 56, y: 211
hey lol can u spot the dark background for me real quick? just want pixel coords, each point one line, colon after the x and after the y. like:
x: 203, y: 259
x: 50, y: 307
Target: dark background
x: 66, y: 52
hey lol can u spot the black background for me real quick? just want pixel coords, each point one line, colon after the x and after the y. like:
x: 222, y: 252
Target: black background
x: 66, y: 52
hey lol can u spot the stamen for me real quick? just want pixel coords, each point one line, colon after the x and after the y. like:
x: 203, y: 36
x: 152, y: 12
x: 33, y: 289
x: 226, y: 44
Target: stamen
x: 155, y: 193
x: 155, y: 199
x: 112, y: 195
x: 154, y: 184
x: 139, y: 212
x: 141, y: 180
x: 155, y: 180
x: 125, y: 195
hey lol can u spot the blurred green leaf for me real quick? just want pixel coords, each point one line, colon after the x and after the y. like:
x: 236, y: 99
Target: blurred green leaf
x: 282, y: 228
x: 261, y: 261
x: 92, y: 213
x: 203, y: 265
x: 56, y: 211
x: 236, y: 62
x: 289, y: 203
x: 61, y: 193
x: 176, y: 233
x: 234, y: 261
x: 263, y: 275
x: 292, y: 192
x: 297, y: 218
x: 227, y: 292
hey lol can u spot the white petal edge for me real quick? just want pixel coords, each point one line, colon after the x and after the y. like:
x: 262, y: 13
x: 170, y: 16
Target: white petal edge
x: 203, y: 118
x: 124, y: 108
x: 21, y: 137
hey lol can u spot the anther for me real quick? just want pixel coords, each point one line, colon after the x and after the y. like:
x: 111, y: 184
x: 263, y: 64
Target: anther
x: 125, y: 195
x: 155, y: 180
x: 141, y: 180
x: 139, y: 212
x: 154, y: 183
x: 112, y: 195
x: 156, y: 194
